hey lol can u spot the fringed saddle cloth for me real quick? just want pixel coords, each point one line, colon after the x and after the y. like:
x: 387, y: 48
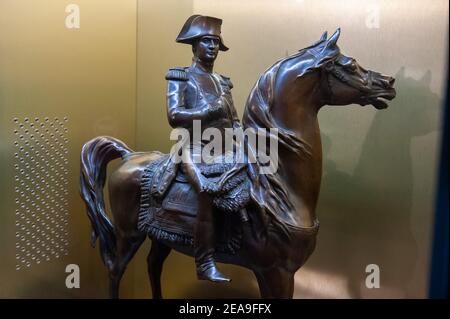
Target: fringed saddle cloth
x: 172, y: 217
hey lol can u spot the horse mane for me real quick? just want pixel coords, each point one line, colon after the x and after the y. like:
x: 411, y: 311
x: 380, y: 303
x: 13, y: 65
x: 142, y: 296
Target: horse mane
x: 270, y: 193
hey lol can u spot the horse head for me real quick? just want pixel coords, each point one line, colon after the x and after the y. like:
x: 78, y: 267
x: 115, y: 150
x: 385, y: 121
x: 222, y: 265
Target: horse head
x: 288, y: 96
x: 322, y: 74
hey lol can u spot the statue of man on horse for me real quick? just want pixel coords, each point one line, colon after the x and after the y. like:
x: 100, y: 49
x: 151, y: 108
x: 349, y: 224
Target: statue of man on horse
x: 268, y: 221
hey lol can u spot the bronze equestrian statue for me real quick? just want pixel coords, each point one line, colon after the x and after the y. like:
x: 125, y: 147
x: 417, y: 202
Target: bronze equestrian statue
x: 227, y: 212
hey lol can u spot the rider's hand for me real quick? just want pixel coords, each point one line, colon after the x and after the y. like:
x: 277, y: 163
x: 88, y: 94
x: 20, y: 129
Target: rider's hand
x: 212, y: 188
x: 217, y: 108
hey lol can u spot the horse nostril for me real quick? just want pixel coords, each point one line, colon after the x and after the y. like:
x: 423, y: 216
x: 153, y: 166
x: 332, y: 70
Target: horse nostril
x: 391, y: 81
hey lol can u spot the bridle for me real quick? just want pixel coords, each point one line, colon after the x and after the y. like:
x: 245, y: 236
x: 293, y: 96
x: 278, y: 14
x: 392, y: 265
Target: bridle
x: 331, y: 71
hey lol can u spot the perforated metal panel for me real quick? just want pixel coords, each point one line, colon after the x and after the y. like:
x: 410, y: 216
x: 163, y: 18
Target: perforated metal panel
x: 50, y: 70
x: 40, y: 184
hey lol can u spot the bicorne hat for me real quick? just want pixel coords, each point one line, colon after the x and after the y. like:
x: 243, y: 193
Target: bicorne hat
x: 198, y: 26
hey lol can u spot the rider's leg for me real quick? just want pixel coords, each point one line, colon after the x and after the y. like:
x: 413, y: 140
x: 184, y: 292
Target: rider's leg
x: 204, y: 229
x: 192, y: 171
x: 204, y: 242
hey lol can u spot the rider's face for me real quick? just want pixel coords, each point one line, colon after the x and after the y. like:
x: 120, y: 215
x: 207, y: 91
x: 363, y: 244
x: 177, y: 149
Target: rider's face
x: 207, y: 48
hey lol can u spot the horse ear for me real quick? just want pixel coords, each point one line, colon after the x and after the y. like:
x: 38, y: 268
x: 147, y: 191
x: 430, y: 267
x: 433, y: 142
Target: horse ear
x: 323, y: 37
x: 333, y: 39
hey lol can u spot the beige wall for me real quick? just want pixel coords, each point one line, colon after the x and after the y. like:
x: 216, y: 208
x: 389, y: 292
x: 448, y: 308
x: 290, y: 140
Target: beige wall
x: 87, y: 75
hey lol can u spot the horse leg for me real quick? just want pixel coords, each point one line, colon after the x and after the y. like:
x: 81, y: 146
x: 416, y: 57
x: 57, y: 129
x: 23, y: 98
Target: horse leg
x: 263, y: 289
x: 126, y: 248
x: 155, y: 260
x: 276, y: 283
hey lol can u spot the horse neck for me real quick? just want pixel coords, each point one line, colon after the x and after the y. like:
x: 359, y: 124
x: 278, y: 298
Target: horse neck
x: 301, y: 172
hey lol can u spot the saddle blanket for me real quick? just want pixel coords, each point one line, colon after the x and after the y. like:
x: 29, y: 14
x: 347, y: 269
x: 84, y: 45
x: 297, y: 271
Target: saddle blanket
x: 173, y: 216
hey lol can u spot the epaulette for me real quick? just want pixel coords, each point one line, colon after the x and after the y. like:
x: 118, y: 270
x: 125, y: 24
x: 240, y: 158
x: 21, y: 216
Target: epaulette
x: 227, y: 81
x: 177, y: 74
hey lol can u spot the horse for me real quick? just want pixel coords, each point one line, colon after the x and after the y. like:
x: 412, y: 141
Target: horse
x: 288, y: 97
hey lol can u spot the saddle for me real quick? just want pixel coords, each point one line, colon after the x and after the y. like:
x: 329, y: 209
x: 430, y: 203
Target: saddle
x: 172, y: 217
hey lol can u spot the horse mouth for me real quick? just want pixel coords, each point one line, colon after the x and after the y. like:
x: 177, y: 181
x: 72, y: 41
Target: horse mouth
x: 379, y: 100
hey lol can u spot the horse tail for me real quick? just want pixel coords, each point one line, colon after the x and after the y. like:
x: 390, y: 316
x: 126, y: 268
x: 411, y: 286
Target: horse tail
x: 95, y: 156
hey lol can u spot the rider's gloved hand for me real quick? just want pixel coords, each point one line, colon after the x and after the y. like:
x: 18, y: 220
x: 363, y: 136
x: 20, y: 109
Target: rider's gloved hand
x: 212, y: 187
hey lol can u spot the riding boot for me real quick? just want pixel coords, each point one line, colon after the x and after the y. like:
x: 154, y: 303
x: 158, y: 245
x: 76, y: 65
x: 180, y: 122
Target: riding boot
x: 204, y: 243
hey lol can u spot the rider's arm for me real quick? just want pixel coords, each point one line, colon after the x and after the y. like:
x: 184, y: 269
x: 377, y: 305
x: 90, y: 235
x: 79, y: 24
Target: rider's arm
x: 236, y: 122
x: 228, y: 85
